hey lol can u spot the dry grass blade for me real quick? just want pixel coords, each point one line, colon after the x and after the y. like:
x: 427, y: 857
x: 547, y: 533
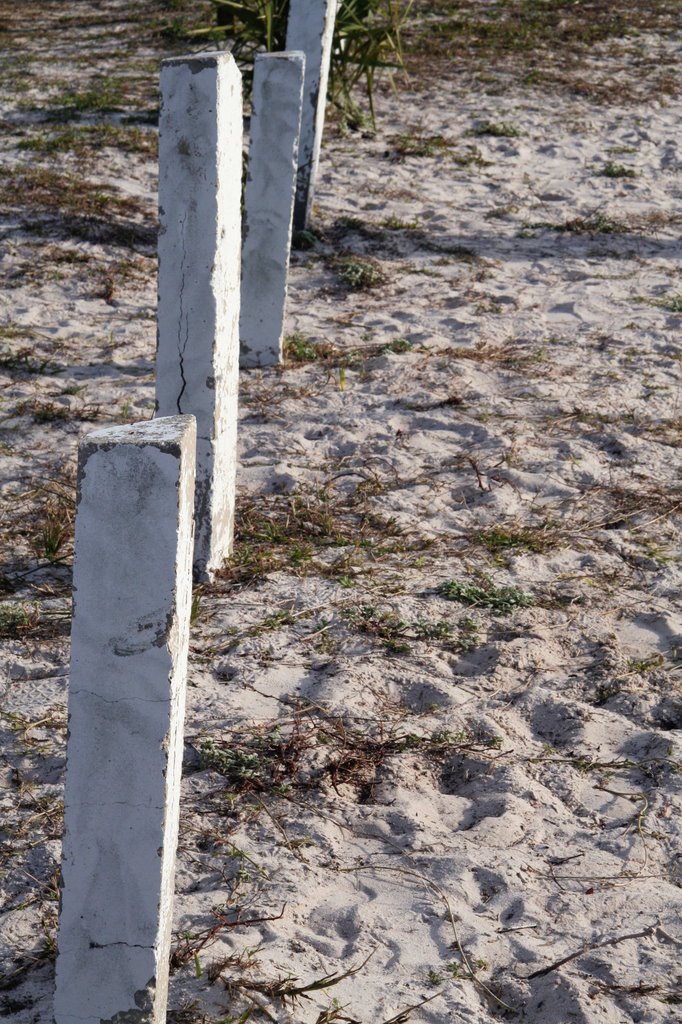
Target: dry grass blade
x: 285, y: 989
x: 403, y: 1016
x: 588, y: 947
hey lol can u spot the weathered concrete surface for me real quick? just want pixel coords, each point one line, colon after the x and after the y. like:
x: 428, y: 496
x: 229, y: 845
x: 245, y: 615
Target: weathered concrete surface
x: 130, y: 635
x: 310, y: 28
x: 269, y: 204
x: 197, y: 365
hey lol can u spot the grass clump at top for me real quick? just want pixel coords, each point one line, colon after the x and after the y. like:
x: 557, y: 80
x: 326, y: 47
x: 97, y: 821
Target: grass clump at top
x: 502, y: 600
x: 366, y: 42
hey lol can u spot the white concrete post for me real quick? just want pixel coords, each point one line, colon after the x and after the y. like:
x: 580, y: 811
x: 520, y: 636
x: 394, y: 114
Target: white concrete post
x: 197, y: 364
x: 310, y: 28
x: 130, y: 634
x: 269, y: 204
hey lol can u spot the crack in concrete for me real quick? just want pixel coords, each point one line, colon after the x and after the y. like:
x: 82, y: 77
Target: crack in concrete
x: 113, y: 803
x: 181, y: 347
x: 108, y: 945
x: 123, y: 700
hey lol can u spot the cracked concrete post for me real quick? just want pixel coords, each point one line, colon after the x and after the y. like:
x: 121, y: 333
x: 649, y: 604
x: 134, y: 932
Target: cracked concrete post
x: 130, y: 634
x: 310, y: 28
x: 269, y: 203
x: 197, y: 362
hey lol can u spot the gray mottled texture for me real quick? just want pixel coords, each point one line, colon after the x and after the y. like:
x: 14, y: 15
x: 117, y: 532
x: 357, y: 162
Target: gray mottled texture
x: 310, y: 29
x: 130, y: 635
x: 197, y: 365
x: 269, y: 204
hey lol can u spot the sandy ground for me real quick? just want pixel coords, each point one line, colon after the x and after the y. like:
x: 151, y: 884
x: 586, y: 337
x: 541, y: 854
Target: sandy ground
x: 433, y: 734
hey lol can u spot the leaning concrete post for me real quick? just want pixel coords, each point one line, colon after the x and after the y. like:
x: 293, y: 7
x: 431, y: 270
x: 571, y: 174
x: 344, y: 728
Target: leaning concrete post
x: 132, y: 601
x: 269, y: 204
x: 310, y: 28
x: 197, y: 365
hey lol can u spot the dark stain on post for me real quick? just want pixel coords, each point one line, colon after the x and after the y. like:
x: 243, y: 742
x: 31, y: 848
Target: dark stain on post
x: 144, y: 1000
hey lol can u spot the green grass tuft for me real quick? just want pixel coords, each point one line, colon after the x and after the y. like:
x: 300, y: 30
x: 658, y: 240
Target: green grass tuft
x: 502, y: 600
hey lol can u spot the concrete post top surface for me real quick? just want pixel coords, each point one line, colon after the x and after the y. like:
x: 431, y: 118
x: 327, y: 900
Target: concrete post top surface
x: 199, y: 61
x: 295, y: 55
x: 167, y: 430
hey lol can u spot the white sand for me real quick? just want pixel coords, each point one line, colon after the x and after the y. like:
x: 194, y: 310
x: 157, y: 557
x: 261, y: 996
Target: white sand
x: 525, y: 804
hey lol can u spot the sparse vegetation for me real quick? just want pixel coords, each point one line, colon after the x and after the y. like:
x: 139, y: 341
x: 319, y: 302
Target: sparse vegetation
x: 496, y: 129
x: 416, y: 143
x: 314, y: 746
x: 51, y: 191
x: 547, y: 46
x: 613, y: 170
x: 361, y: 713
x: 17, y: 619
x: 499, y: 539
x: 361, y: 274
x: 485, y: 594
x: 87, y: 140
x: 295, y: 531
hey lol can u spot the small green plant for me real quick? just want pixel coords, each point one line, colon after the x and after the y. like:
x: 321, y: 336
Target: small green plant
x: 415, y: 143
x: 16, y: 619
x: 642, y: 666
x: 195, y: 610
x: 434, y: 979
x: 305, y: 239
x: 502, y: 600
x: 497, y: 129
x: 53, y: 532
x: 459, y: 970
x: 351, y: 223
x: 471, y: 157
x: 596, y: 224
x: 299, y: 349
x: 244, y: 769
x: 604, y: 692
x: 399, y: 346
x: 361, y: 274
x: 499, y: 539
x: 398, y: 224
x: 672, y: 304
x: 48, y: 412
x: 433, y: 630
x: 469, y: 638
x: 386, y: 626
x: 613, y: 170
